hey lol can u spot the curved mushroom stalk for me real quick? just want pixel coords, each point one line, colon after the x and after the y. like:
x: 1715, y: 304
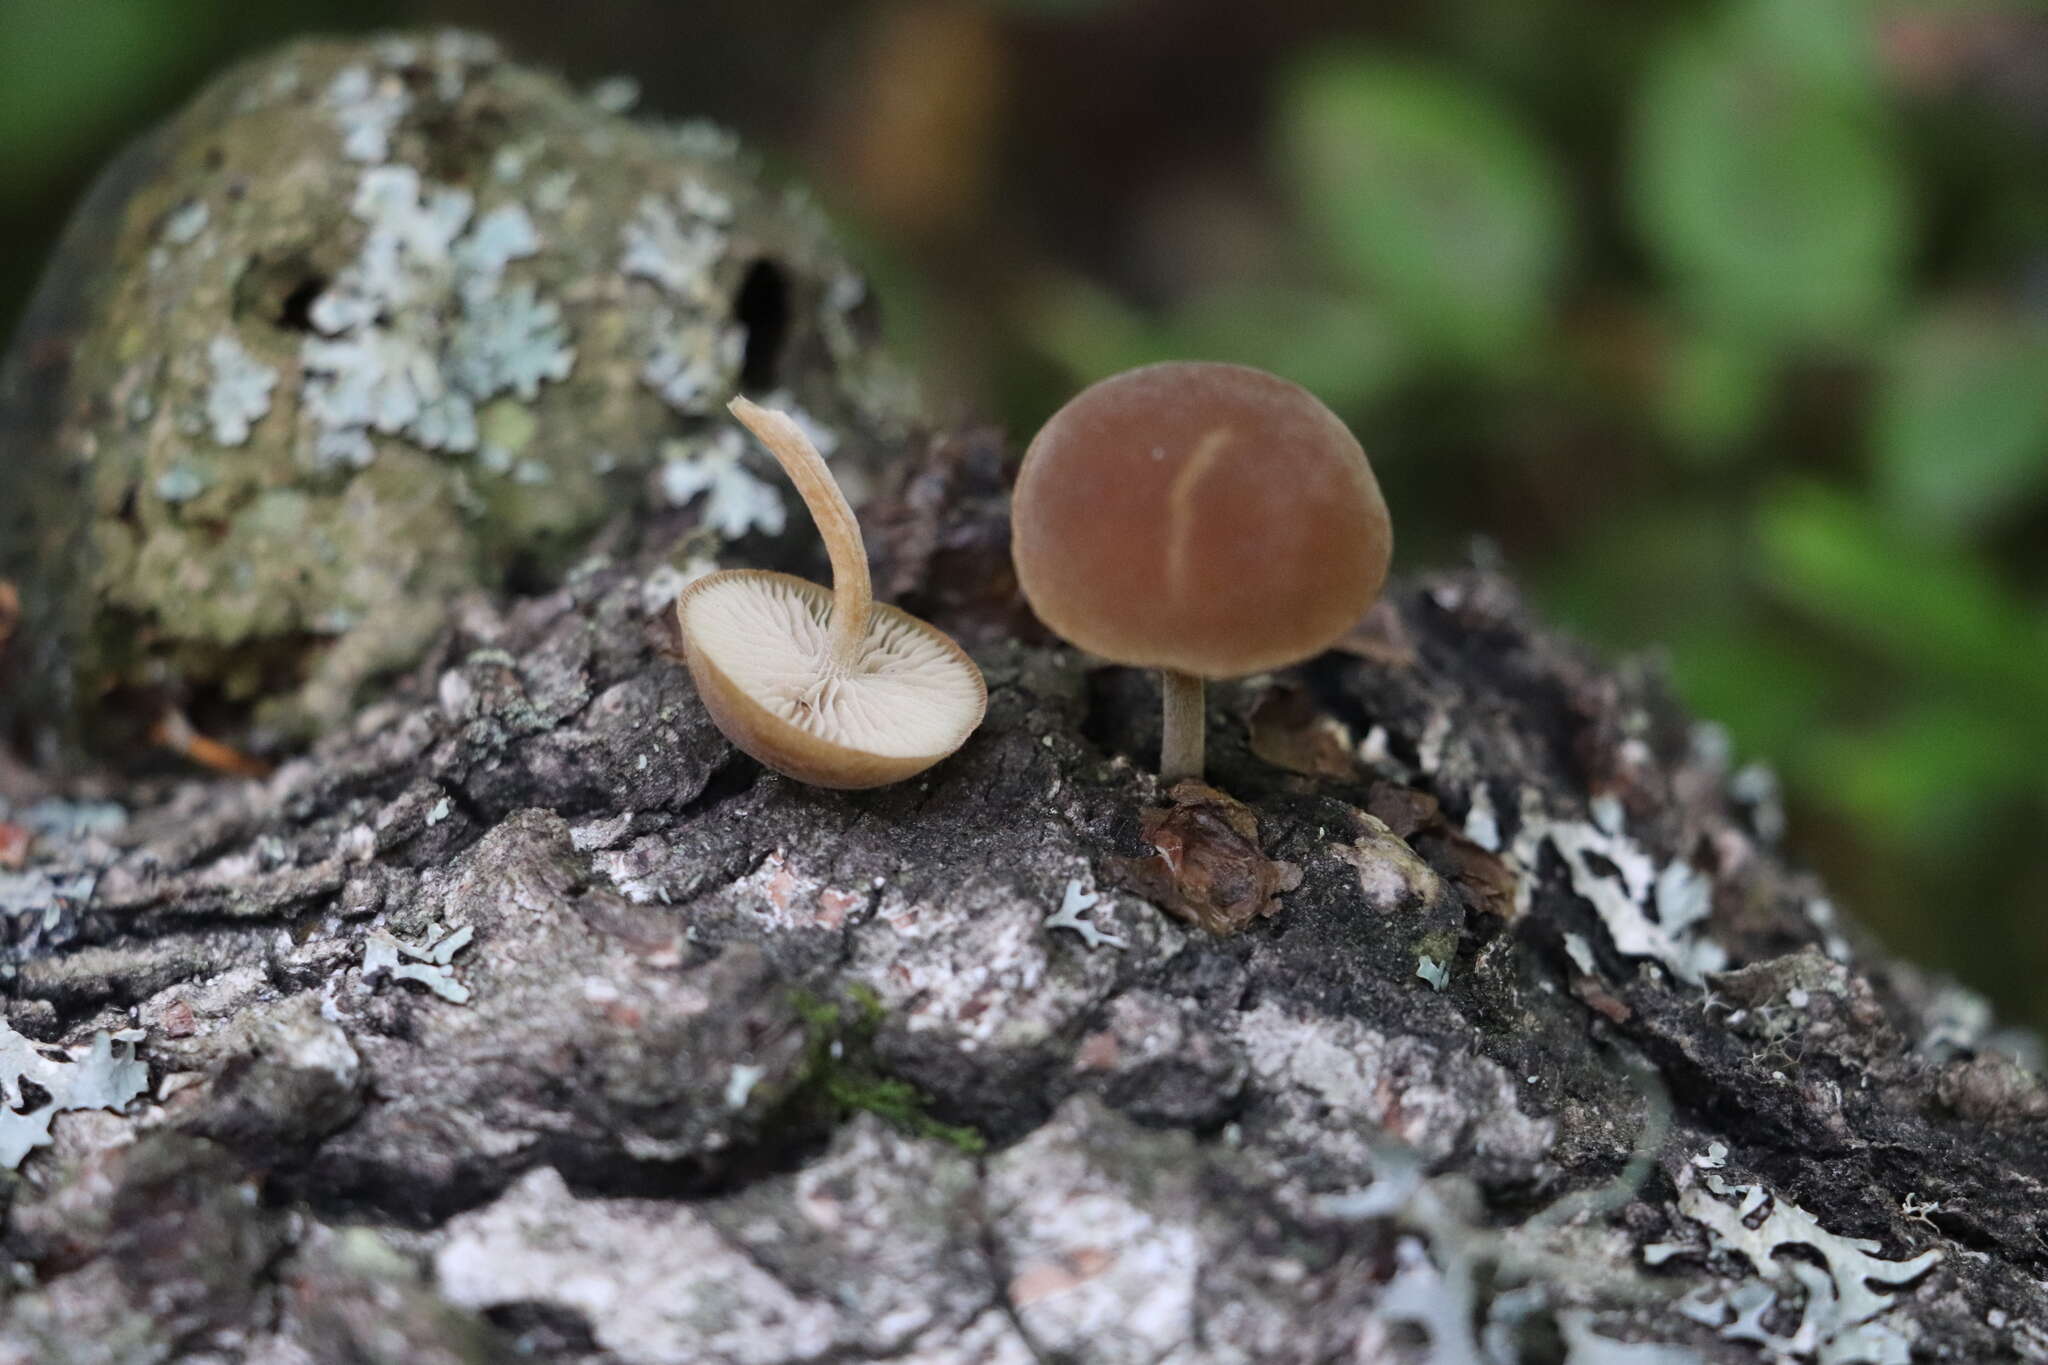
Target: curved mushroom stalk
x: 853, y: 590
x: 826, y: 686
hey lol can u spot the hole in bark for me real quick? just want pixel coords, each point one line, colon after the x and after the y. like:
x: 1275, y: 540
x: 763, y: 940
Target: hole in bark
x: 295, y: 314
x: 529, y: 574
x: 279, y: 289
x: 763, y: 309
x: 544, y: 1331
x: 735, y: 777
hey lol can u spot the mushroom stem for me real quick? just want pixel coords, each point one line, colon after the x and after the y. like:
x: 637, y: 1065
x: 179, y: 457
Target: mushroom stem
x: 853, y: 592
x: 1181, y: 747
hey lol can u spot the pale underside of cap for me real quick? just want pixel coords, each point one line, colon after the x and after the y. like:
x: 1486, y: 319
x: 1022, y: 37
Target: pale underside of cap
x: 759, y: 647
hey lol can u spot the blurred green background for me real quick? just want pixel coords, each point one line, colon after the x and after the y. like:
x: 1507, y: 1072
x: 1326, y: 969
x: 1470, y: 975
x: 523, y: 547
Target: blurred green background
x: 1725, y: 320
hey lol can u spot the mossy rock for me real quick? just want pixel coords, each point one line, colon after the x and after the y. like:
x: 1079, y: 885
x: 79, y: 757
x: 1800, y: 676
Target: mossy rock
x: 368, y: 325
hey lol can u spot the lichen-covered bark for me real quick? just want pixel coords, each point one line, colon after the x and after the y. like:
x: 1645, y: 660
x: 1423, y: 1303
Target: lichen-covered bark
x: 367, y: 325
x: 523, y: 1018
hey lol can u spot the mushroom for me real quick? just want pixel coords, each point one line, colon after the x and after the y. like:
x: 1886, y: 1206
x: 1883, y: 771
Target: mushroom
x: 1203, y: 519
x: 827, y: 686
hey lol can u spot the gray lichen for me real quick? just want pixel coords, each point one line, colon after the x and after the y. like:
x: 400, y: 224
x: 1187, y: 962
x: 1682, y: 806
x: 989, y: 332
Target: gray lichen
x: 736, y: 501
x: 1437, y: 974
x: 367, y: 105
x: 1649, y: 911
x: 239, y: 396
x: 43, y: 895
x: 510, y: 342
x: 185, y: 225
x: 677, y: 240
x: 693, y: 363
x: 615, y: 94
x: 379, y: 366
x: 430, y: 966
x: 1839, y: 1313
x: 1073, y: 908
x: 105, y: 1076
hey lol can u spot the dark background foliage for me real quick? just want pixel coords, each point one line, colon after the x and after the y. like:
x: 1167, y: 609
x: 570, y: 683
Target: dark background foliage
x: 1725, y: 322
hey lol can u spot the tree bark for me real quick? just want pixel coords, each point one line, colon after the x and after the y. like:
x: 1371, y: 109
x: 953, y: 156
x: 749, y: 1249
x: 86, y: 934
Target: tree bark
x: 523, y: 1018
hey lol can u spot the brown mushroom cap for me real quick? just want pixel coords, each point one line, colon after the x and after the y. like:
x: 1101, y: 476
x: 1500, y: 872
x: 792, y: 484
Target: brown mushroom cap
x: 759, y: 648
x: 1204, y: 518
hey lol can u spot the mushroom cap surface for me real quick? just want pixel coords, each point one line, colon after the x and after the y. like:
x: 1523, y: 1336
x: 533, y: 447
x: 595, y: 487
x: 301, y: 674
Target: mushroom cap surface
x: 758, y: 645
x: 1207, y: 518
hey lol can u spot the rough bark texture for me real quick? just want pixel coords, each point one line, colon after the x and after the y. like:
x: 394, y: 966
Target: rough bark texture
x: 522, y: 1018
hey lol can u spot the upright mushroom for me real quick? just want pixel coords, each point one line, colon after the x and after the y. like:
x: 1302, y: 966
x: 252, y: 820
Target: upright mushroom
x: 826, y: 686
x: 1203, y: 519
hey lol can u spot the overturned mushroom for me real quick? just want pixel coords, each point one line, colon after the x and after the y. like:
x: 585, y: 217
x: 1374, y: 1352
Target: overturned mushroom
x: 826, y: 686
x: 1202, y: 519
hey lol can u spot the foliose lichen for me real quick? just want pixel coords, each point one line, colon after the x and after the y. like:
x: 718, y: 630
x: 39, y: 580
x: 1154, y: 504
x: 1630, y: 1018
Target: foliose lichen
x: 386, y: 361
x: 1649, y: 911
x: 239, y: 397
x: 106, y: 1076
x: 736, y: 501
x: 1840, y: 1315
x: 428, y: 964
